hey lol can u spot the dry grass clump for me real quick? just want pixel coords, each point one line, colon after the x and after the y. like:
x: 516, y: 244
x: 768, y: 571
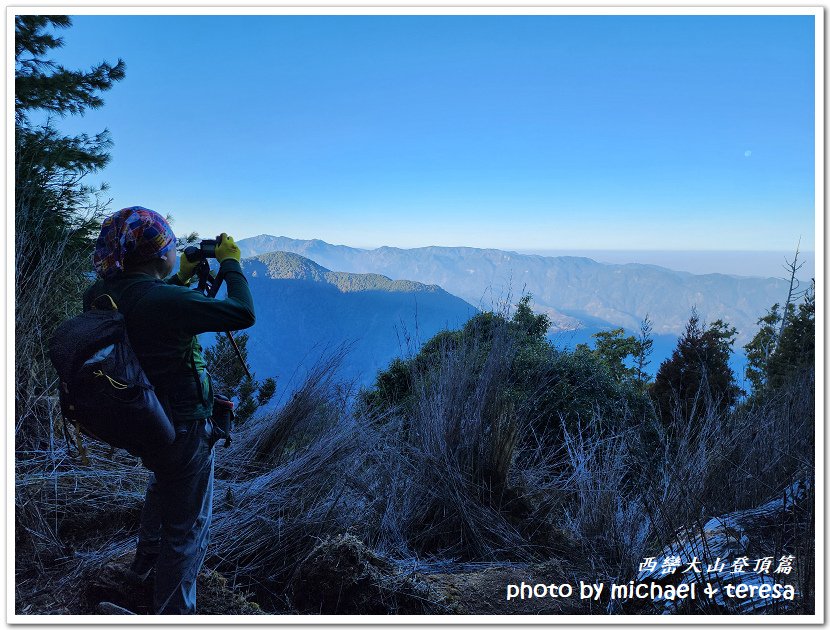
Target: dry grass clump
x: 290, y: 479
x: 66, y: 512
x: 342, y: 576
x: 456, y: 476
x: 80, y: 503
x: 71, y: 518
x: 603, y: 510
x: 319, y: 404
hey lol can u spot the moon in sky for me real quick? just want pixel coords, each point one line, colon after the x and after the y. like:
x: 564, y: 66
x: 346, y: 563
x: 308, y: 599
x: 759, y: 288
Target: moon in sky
x: 747, y: 153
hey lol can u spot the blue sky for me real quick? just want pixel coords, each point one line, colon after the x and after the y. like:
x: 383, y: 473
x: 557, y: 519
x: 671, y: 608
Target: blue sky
x: 536, y: 132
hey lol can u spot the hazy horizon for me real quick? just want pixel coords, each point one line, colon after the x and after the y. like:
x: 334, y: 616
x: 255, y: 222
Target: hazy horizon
x: 764, y: 264
x: 761, y: 263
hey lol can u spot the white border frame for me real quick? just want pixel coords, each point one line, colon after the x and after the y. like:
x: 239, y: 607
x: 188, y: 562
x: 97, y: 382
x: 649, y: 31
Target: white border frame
x: 462, y: 8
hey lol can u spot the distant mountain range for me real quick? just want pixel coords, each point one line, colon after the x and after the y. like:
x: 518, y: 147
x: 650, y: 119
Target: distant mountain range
x: 305, y: 310
x: 575, y: 292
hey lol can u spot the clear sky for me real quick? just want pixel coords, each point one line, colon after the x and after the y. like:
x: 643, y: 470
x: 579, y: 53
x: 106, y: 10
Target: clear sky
x: 538, y: 132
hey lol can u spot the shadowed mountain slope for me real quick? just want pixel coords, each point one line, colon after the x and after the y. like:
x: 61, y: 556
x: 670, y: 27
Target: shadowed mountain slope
x: 305, y: 310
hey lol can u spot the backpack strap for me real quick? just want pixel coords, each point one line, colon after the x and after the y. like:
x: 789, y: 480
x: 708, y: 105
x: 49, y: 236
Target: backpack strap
x: 103, y: 302
x: 133, y: 296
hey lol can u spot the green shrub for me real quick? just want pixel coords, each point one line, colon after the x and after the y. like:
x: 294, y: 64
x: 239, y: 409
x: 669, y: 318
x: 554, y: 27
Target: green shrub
x: 549, y: 386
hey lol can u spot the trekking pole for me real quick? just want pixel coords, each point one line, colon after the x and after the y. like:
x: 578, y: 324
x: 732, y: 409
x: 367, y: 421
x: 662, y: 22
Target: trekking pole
x: 238, y: 353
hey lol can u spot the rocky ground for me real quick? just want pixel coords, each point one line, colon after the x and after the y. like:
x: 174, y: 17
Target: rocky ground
x: 341, y: 576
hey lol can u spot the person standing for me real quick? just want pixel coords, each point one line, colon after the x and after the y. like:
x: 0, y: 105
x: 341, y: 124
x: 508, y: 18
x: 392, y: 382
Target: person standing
x: 135, y: 252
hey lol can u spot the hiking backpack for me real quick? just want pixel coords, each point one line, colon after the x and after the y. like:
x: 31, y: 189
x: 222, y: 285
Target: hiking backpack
x: 104, y: 391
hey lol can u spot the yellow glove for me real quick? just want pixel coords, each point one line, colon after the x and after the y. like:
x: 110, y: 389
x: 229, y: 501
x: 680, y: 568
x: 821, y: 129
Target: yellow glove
x: 226, y: 248
x: 186, y: 269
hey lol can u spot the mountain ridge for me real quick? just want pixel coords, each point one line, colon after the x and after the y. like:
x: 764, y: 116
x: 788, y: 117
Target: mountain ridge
x: 252, y: 241
x: 280, y: 265
x: 571, y: 290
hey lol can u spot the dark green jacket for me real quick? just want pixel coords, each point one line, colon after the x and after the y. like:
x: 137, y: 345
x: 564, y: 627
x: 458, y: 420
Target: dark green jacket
x: 162, y: 324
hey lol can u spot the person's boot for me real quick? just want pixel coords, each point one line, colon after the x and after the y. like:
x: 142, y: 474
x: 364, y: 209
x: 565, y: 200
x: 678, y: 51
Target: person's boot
x: 143, y: 564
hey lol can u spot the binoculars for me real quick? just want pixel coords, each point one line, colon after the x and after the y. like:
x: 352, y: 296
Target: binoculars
x: 205, y: 250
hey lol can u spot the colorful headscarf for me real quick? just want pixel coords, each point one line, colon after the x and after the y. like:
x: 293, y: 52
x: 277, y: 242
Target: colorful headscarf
x: 136, y: 234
